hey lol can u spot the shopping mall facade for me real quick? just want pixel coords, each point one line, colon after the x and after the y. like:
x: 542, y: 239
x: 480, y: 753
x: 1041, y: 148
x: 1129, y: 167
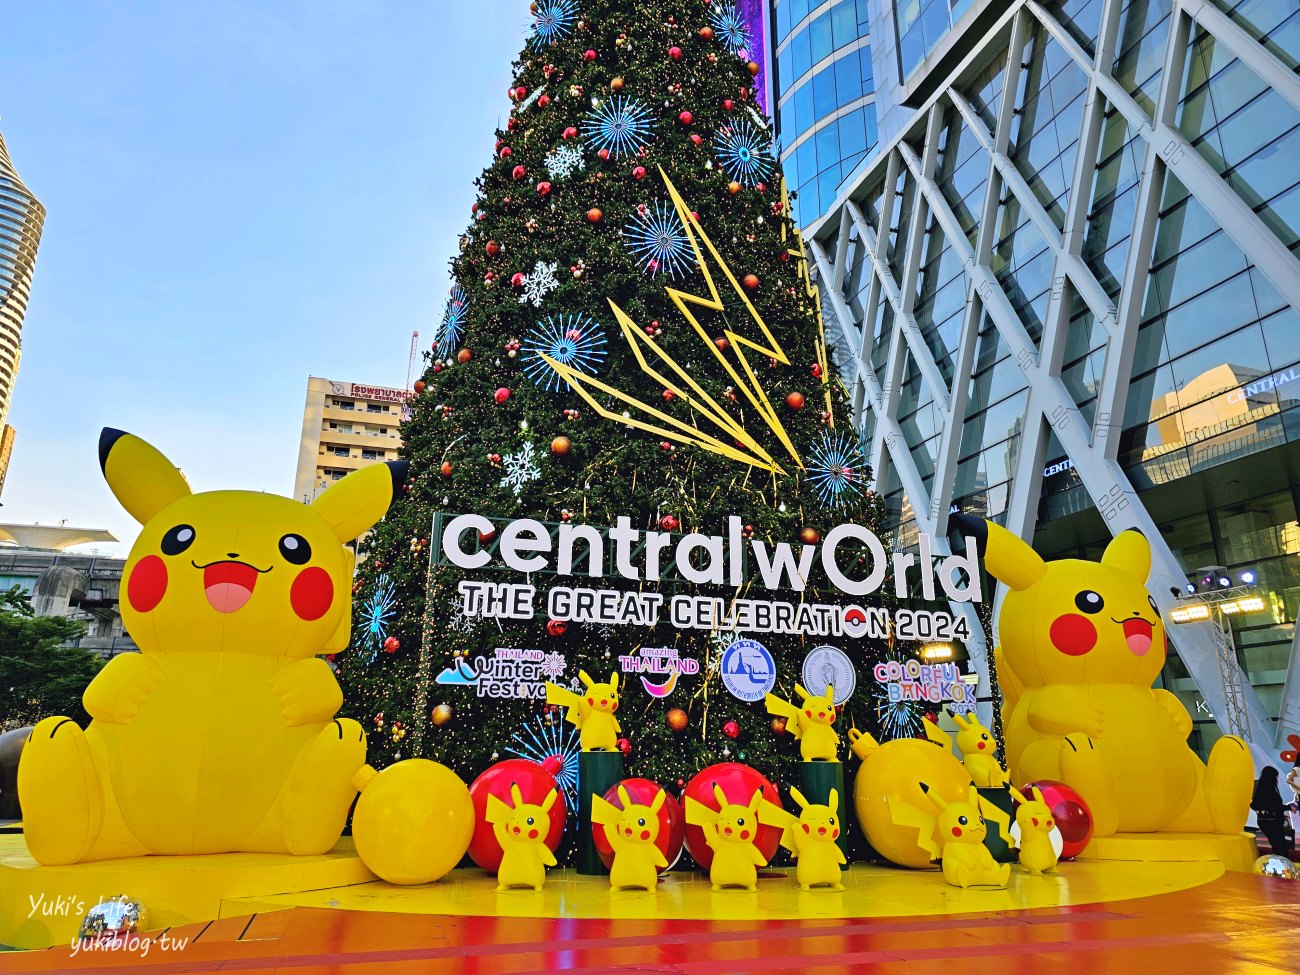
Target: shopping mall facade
x: 1063, y: 288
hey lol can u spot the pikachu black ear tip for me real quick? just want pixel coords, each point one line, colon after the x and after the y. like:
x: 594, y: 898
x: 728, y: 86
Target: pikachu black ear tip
x: 108, y: 437
x: 397, y: 470
x: 976, y: 528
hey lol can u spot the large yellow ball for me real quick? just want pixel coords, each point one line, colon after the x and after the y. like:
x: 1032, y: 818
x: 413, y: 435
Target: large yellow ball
x: 413, y: 822
x: 897, y: 768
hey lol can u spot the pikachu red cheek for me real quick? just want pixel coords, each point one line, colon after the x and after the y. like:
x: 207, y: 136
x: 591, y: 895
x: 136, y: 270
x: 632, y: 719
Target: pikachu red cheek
x: 312, y: 593
x: 1073, y: 634
x: 148, y: 584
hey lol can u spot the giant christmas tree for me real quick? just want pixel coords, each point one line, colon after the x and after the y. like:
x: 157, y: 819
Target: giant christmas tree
x: 632, y: 333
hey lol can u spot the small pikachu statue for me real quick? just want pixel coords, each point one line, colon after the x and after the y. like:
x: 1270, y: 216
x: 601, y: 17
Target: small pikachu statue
x: 812, y: 726
x: 966, y: 860
x: 811, y: 838
x: 521, y: 830
x: 1035, y: 833
x: 976, y: 744
x: 730, y: 833
x: 632, y: 832
x: 591, y: 713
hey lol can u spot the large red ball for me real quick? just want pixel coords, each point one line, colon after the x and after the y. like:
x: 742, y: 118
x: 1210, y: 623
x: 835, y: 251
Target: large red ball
x: 1072, y: 815
x: 672, y: 823
x: 534, y: 783
x: 738, y: 782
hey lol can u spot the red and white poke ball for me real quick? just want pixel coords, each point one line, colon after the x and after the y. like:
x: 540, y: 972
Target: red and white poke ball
x: 855, y: 622
x: 1072, y: 815
x: 556, y: 627
x: 672, y: 823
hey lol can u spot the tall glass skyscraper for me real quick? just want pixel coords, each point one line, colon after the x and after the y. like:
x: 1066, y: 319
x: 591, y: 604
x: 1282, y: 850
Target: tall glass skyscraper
x: 1066, y: 292
x: 823, y: 84
x: 21, y: 219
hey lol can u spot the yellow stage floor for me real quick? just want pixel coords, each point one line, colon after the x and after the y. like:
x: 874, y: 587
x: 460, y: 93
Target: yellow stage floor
x: 871, y: 891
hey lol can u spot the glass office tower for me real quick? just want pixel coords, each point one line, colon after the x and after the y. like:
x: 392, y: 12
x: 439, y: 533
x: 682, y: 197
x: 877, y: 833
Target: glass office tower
x: 826, y: 121
x: 1067, y: 292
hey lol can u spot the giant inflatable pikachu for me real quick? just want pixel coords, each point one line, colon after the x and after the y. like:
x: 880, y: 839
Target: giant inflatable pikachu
x: 1080, y: 644
x: 220, y: 735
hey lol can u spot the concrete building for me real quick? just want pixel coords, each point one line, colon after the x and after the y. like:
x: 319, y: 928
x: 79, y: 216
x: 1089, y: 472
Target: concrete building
x: 1065, y: 294
x: 346, y: 426
x: 21, y: 219
x: 61, y: 583
x: 823, y: 87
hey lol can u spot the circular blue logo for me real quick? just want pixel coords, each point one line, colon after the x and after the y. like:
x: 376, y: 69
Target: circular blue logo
x: 748, y: 671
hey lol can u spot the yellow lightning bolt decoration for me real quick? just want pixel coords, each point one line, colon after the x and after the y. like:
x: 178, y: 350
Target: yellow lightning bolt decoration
x: 743, y: 447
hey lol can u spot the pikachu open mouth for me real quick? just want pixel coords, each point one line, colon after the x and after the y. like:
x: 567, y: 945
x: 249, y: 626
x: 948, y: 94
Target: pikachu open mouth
x: 1138, y: 635
x: 229, y: 585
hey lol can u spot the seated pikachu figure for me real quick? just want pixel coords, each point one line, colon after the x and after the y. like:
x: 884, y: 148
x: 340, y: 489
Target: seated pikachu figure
x: 521, y: 830
x: 730, y: 833
x: 959, y: 841
x: 1080, y: 645
x: 812, y: 725
x: 591, y: 713
x: 811, y: 838
x: 1035, y: 833
x: 977, y: 747
x: 220, y: 735
x: 632, y: 832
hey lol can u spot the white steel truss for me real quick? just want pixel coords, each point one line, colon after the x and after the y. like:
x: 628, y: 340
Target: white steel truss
x: 1091, y: 446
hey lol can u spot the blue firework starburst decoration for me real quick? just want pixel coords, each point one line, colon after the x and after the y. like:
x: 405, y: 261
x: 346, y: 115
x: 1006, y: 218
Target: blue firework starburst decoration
x: 621, y: 125
x: 746, y: 153
x: 374, y: 614
x: 730, y: 28
x: 898, y: 719
x: 553, y: 21
x: 572, y: 340
x: 657, y: 239
x: 838, y: 469
x: 453, y: 323
x: 538, y: 741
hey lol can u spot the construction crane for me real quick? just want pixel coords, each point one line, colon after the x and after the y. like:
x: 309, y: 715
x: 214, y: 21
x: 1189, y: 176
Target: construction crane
x: 415, y: 356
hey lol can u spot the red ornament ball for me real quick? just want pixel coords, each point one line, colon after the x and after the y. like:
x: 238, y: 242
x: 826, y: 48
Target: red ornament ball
x: 589, y: 55
x: 738, y: 783
x: 502, y: 394
x: 1072, y: 815
x: 685, y: 118
x: 669, y: 523
x: 638, y: 172
x: 517, y: 279
x: 505, y: 151
x: 595, y: 215
x: 696, y: 138
x: 446, y: 468
x: 750, y: 281
x: 543, y: 101
x: 795, y: 401
x: 728, y: 104
x: 815, y: 370
x: 392, y: 645
x: 731, y: 729
x: 556, y: 627
x: 677, y: 720
x: 570, y: 132
x: 672, y: 823
x: 675, y: 53
x: 706, y: 33
x: 534, y: 782
x: 419, y: 386
x: 625, y: 747
x: 521, y: 93
x: 723, y: 343
x: 518, y: 172
x: 464, y: 356
x: 809, y: 536
x: 492, y: 248
x: 543, y: 187
x: 561, y: 446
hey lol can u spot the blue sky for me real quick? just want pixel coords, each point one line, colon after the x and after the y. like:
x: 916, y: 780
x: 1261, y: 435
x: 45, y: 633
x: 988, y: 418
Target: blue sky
x: 241, y: 194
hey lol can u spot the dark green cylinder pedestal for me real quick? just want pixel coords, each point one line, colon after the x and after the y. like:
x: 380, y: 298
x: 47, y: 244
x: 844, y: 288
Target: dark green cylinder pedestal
x: 597, y: 772
x: 817, y: 780
x: 996, y: 842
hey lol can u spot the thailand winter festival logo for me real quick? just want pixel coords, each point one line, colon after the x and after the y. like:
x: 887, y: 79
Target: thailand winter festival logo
x: 748, y: 670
